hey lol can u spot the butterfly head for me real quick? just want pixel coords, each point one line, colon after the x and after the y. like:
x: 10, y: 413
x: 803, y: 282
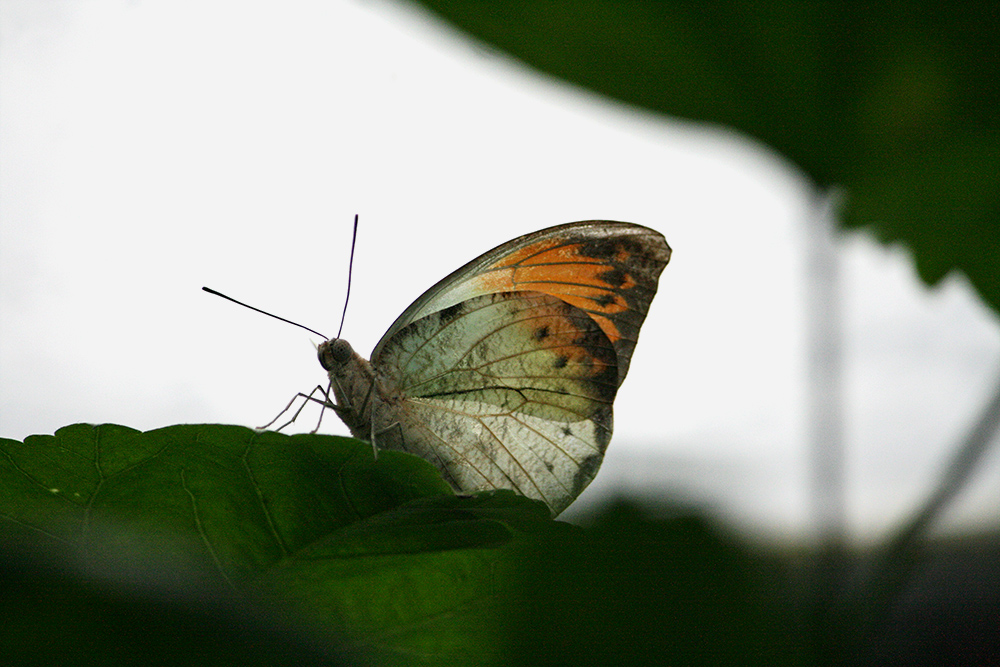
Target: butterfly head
x: 334, y: 353
x: 352, y: 384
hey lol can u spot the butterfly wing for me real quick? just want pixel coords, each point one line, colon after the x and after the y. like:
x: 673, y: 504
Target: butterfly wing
x: 607, y: 269
x: 507, y: 390
x: 504, y: 373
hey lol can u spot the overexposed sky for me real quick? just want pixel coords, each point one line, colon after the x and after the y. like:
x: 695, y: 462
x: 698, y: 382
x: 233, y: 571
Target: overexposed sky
x: 148, y: 148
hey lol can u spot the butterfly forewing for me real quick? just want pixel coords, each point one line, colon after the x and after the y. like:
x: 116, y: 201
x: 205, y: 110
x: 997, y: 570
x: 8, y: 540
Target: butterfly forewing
x: 515, y: 341
x: 607, y: 269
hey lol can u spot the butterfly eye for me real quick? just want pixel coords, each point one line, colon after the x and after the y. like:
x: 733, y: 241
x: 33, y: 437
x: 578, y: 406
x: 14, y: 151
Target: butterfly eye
x: 334, y: 352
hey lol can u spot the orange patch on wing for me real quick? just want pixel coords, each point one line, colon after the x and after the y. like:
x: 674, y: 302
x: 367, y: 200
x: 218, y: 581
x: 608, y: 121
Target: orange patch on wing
x: 607, y: 325
x: 609, y: 328
x: 495, y: 281
x: 559, y: 270
x: 523, y: 254
x: 572, y: 274
x: 537, y: 278
x: 589, y: 299
x: 564, y: 254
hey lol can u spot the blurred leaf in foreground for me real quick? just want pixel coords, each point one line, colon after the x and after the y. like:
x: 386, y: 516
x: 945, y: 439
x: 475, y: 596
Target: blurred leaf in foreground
x: 896, y: 101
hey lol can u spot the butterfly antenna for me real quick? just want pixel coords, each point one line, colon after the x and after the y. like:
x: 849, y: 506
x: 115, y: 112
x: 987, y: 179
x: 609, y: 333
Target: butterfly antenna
x: 229, y: 298
x: 350, y: 272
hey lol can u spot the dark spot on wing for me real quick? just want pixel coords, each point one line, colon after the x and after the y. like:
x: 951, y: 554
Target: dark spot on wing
x: 587, y: 472
x: 450, y: 313
x: 614, y: 277
x: 549, y: 466
x: 605, y: 300
x: 561, y: 361
x: 600, y: 352
x: 604, y: 419
x: 542, y: 333
x: 567, y: 431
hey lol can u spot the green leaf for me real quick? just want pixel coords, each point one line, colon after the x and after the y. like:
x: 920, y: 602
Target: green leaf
x: 375, y: 555
x: 233, y: 499
x: 896, y: 102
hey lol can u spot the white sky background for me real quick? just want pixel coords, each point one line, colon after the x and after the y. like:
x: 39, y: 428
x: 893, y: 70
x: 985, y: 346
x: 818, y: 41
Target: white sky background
x: 149, y: 148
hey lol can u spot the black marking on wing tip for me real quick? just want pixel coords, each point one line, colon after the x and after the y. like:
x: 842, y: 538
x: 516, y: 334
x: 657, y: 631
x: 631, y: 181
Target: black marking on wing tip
x: 541, y: 333
x: 567, y: 431
x: 599, y: 248
x: 561, y: 361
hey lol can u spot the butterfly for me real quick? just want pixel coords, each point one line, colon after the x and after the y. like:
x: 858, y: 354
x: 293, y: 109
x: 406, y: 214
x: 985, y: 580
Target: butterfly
x: 504, y: 373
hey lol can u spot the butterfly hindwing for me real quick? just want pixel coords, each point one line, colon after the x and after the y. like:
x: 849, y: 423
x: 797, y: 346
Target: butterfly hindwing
x: 505, y: 390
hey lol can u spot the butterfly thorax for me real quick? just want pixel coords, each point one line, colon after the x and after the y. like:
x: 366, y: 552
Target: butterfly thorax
x: 353, y: 383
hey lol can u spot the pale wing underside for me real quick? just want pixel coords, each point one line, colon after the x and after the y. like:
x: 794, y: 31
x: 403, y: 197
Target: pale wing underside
x: 479, y: 448
x: 507, y: 390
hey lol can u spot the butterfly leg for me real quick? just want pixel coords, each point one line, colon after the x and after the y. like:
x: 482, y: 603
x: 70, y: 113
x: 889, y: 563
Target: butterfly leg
x: 364, y: 406
x: 325, y: 401
x: 342, y: 410
x: 387, y: 433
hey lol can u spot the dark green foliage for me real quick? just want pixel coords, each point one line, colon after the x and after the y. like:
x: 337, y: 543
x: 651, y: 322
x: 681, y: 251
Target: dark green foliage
x: 645, y: 590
